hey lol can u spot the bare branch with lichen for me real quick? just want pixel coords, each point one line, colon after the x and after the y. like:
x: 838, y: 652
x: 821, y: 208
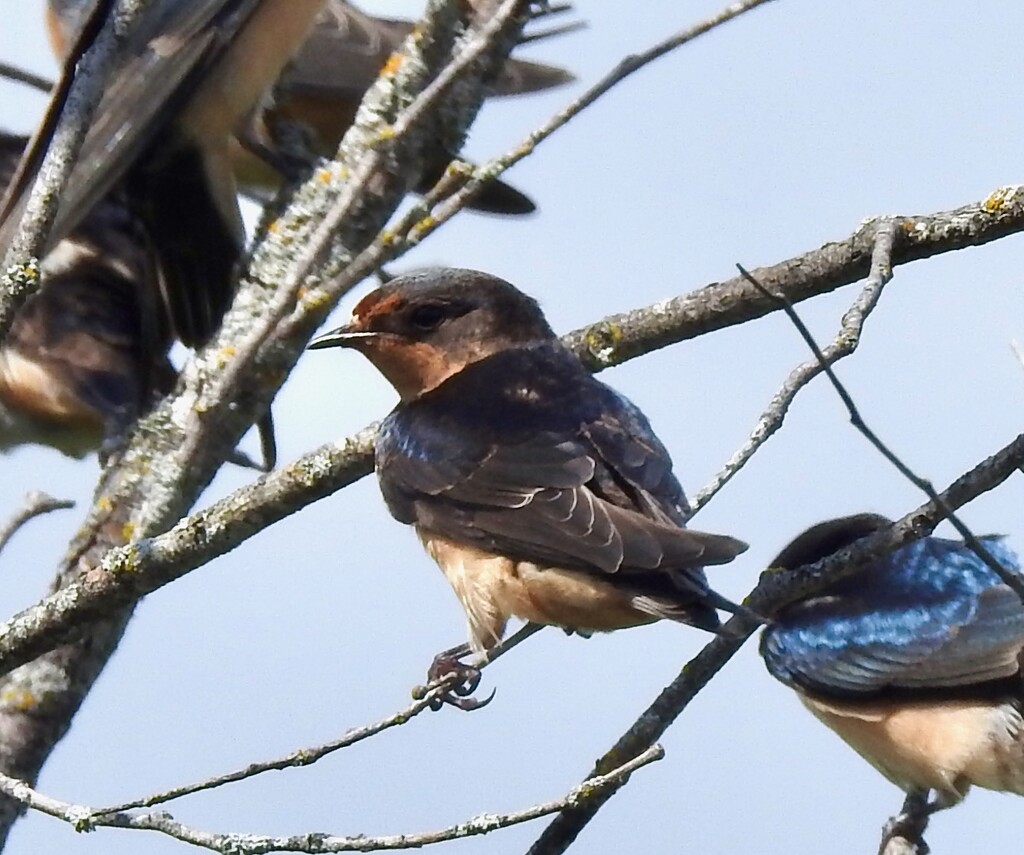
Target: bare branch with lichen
x: 83, y: 818
x: 177, y: 448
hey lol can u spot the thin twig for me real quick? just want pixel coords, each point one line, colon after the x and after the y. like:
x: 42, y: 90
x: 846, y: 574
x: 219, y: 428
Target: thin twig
x: 484, y: 173
x: 20, y: 75
x: 776, y: 589
x: 301, y: 757
x: 1012, y: 579
x: 86, y: 819
x: 1015, y: 347
x: 35, y: 504
x: 844, y: 344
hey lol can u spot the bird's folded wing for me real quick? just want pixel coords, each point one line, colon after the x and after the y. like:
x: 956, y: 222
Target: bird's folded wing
x: 906, y: 639
x: 535, y: 500
x: 173, y: 45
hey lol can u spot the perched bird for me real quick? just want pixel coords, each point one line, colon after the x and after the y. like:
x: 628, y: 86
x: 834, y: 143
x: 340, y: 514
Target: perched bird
x: 88, y: 352
x: 191, y: 73
x: 915, y: 660
x: 321, y: 88
x: 541, y: 492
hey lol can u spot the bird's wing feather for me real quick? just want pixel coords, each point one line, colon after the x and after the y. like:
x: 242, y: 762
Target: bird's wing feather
x: 930, y: 616
x: 566, y: 495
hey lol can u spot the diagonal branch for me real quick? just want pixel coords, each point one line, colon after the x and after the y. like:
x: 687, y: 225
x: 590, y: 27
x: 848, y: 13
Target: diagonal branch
x: 776, y: 589
x: 302, y: 757
x: 75, y: 98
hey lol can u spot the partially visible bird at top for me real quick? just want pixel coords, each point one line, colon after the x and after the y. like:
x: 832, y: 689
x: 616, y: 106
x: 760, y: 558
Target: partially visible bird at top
x: 914, y: 661
x: 542, y: 493
x: 191, y: 73
x: 320, y: 91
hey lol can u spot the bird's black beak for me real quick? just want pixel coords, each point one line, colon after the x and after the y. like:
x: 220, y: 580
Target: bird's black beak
x: 341, y: 337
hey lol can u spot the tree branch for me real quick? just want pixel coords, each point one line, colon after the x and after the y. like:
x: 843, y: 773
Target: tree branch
x: 719, y: 305
x: 86, y: 819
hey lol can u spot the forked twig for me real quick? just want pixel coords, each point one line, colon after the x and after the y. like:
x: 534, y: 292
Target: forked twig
x: 1011, y: 579
x: 844, y: 344
x: 86, y: 819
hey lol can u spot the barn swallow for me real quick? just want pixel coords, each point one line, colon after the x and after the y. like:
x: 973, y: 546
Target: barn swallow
x: 914, y: 661
x: 320, y: 90
x: 88, y: 352
x: 541, y: 493
x: 191, y: 73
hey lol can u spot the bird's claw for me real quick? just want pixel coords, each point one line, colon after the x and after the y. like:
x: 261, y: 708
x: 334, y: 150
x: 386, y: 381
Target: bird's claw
x: 909, y: 825
x: 463, y: 680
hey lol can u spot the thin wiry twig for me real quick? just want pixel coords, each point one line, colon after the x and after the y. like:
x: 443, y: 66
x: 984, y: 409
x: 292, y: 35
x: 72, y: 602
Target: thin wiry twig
x: 485, y: 172
x: 1015, y: 347
x: 775, y: 589
x: 21, y: 75
x: 35, y: 504
x: 86, y: 819
x: 844, y: 344
x: 301, y: 757
x: 1014, y: 581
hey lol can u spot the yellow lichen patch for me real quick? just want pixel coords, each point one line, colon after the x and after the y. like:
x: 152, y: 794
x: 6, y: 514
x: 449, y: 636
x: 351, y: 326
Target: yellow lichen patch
x: 386, y: 133
x: 602, y: 339
x: 128, y: 531
x: 459, y: 167
x: 227, y: 352
x: 425, y: 225
x: 323, y: 175
x: 18, y: 698
x: 312, y: 297
x: 998, y: 198
x: 394, y: 62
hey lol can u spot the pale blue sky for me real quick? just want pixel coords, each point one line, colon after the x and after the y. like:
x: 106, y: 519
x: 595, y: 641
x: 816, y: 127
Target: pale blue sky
x: 767, y: 138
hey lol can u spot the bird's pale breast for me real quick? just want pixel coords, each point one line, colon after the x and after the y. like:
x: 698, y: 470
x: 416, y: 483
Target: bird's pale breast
x: 944, y: 745
x: 493, y: 588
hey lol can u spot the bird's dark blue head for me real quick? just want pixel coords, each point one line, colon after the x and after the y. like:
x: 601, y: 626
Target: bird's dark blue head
x: 423, y: 328
x: 823, y: 539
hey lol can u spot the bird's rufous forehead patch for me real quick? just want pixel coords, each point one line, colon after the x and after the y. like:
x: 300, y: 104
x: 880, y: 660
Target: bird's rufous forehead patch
x: 375, y: 304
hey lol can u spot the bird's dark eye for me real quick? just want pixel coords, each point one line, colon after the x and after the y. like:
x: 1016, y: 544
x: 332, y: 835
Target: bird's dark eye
x: 428, y: 317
